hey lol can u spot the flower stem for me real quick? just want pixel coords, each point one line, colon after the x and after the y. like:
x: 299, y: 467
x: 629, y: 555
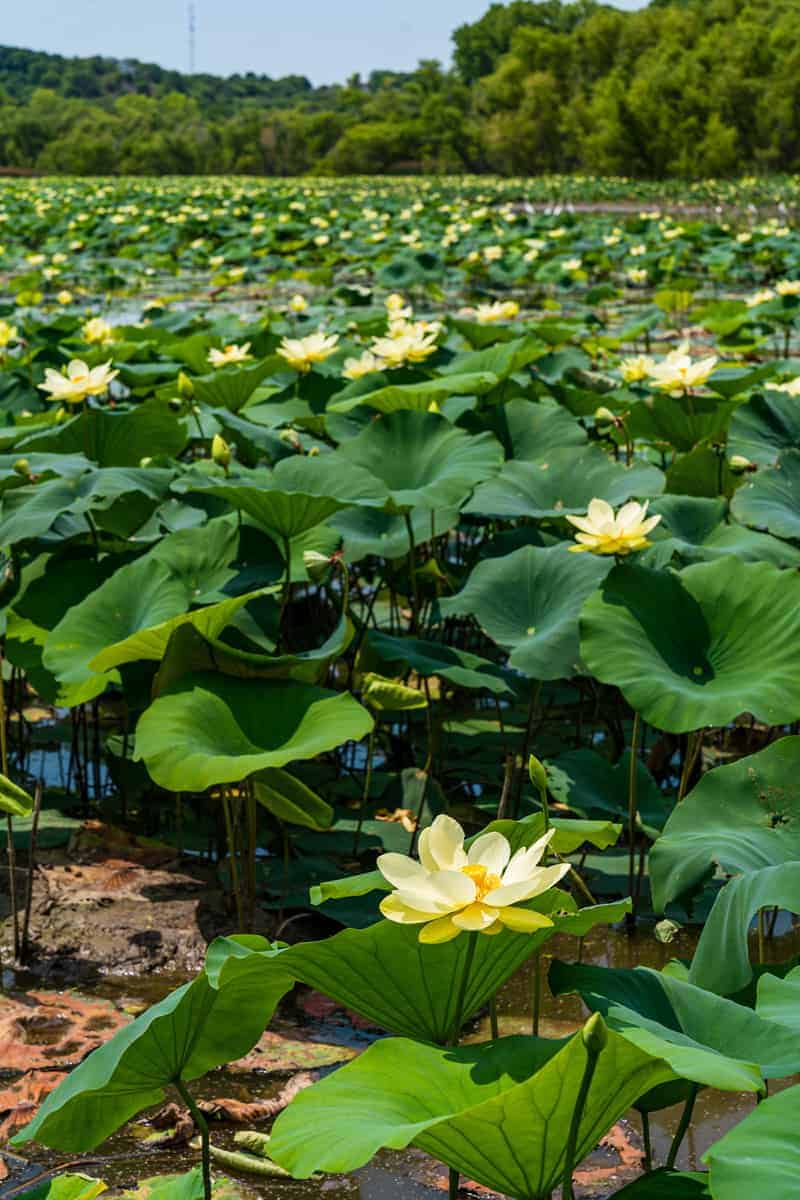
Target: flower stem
x: 683, y: 1125
x: 648, y: 1148
x: 458, y: 1021
x: 592, y: 1056
x: 202, y: 1125
x: 632, y: 810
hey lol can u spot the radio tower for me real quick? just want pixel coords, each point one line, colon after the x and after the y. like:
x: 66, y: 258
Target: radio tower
x: 192, y: 31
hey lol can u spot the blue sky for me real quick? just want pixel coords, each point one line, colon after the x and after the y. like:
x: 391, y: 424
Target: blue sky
x: 327, y: 40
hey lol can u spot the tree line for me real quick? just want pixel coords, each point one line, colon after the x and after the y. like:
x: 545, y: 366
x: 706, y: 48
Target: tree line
x: 681, y: 88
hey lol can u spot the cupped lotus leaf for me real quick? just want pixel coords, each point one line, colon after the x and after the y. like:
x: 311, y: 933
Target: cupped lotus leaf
x: 420, y: 459
x: 371, y: 531
x: 290, y: 800
x: 564, y: 482
x: 771, y: 499
x: 388, y: 976
x: 289, y: 512
x: 210, y: 1021
x: 151, y: 642
x: 14, y: 800
x: 458, y: 667
x: 529, y: 603
x: 190, y: 650
x: 496, y: 1113
x: 418, y: 397
x: 700, y: 647
x: 706, y: 1038
x: 721, y: 963
x: 591, y: 786
x: 739, y: 817
x: 765, y: 427
x: 208, y: 729
x: 114, y: 438
x: 759, y: 1155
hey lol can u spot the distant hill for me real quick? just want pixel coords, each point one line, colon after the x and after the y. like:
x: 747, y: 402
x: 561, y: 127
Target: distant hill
x: 680, y: 88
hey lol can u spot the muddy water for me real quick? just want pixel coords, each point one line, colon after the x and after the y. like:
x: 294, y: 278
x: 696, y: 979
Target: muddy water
x: 411, y: 1175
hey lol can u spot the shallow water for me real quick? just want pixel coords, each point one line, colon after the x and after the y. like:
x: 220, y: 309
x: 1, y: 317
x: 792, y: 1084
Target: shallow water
x: 410, y: 1175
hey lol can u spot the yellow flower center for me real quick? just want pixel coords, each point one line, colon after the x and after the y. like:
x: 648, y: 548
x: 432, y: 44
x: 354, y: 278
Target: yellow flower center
x: 483, y: 879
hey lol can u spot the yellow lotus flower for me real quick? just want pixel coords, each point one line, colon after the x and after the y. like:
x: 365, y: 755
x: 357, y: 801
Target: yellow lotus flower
x: 298, y: 304
x: 788, y: 287
x: 97, y: 331
x: 302, y: 353
x: 791, y: 387
x: 603, y: 532
x: 415, y: 344
x: 366, y: 364
x: 500, y: 310
x: 8, y: 334
x: 634, y: 370
x: 452, y: 890
x: 229, y: 354
x: 678, y: 373
x: 761, y: 297
x: 77, y: 382
x: 64, y: 297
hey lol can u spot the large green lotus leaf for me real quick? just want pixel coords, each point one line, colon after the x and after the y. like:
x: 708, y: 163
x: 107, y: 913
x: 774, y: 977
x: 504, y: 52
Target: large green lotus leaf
x: 190, y: 650
x: 115, y: 439
x: 420, y: 459
x: 253, y: 441
x: 590, y: 785
x: 299, y: 493
x: 209, y: 729
x: 418, y: 397
x: 32, y: 510
x: 529, y: 602
x: 384, y: 973
x: 66, y: 1187
x: 565, y: 482
x: 426, y: 658
x: 535, y: 430
x: 290, y: 800
x: 232, y: 387
x: 14, y: 800
x: 740, y: 817
x: 765, y: 427
x: 371, y: 531
x: 721, y: 963
x: 497, y: 1112
x: 502, y: 359
x: 771, y: 499
x: 704, y: 471
x: 695, y: 528
x: 778, y: 999
x: 680, y: 421
x: 667, y: 1185
x: 701, y: 647
x: 759, y: 1155
x: 705, y: 1038
x: 214, y: 1019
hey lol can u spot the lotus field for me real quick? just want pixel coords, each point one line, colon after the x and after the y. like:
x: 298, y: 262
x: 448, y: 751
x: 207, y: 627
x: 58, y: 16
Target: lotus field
x: 422, y: 557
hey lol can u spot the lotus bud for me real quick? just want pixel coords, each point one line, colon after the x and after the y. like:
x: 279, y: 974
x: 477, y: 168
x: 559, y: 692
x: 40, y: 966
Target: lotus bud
x: 22, y: 467
x: 185, y: 385
x: 595, y: 1034
x: 739, y: 464
x: 175, y: 403
x: 145, y: 462
x: 605, y: 416
x: 537, y: 774
x: 220, y: 451
x: 316, y: 564
x: 313, y: 452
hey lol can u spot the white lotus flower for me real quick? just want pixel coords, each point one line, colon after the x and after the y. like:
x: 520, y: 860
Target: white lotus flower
x: 229, y: 354
x: 78, y: 382
x: 452, y: 890
x: 678, y: 373
x: 302, y: 353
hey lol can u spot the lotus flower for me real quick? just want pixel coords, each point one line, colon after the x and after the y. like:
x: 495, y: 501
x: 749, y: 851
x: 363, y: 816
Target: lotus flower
x: 603, y: 532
